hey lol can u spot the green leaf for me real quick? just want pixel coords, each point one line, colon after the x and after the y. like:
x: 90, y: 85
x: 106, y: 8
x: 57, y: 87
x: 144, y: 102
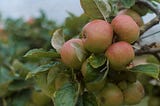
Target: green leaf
x: 57, y: 40
x: 128, y: 3
x: 90, y: 73
x: 151, y: 70
x: 80, y: 52
x: 152, y: 59
x: 40, y: 53
x: 156, y: 1
x: 97, y: 60
x: 18, y: 85
x: 5, y: 80
x: 41, y: 79
x: 41, y: 68
x: 104, y: 7
x: 96, y: 8
x: 66, y: 96
x: 20, y: 68
x: 54, y: 71
x: 89, y: 99
x: 20, y: 99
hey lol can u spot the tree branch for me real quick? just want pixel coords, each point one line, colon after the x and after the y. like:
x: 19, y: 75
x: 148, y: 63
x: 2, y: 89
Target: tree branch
x: 148, y: 4
x: 148, y: 50
x: 153, y: 21
x: 149, y: 25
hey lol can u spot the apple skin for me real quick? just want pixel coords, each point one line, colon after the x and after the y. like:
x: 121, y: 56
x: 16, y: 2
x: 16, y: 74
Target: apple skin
x: 110, y: 95
x: 120, y: 54
x: 69, y: 56
x: 133, y: 94
x: 135, y: 16
x: 97, y: 36
x: 125, y: 28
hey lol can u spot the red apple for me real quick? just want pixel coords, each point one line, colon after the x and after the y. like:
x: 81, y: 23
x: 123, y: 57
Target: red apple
x: 69, y: 54
x: 125, y: 28
x: 135, y: 16
x: 97, y: 36
x: 120, y: 54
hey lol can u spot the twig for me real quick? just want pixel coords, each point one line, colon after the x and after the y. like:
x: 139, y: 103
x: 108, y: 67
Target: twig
x: 148, y: 4
x: 149, y: 25
x: 153, y: 21
x: 146, y: 36
x: 153, y: 51
x: 149, y: 51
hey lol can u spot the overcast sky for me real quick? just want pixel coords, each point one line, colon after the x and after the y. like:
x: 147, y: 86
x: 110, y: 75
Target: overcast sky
x: 54, y: 9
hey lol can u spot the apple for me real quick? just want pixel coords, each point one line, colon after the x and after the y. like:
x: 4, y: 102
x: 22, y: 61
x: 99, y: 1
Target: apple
x: 120, y: 54
x: 97, y: 36
x: 134, y: 93
x: 69, y: 54
x: 135, y: 16
x: 125, y: 28
x: 110, y: 95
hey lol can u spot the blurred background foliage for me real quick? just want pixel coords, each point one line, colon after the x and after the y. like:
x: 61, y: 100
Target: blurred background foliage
x: 17, y: 36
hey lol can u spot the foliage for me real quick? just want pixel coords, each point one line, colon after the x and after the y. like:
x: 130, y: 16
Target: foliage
x: 18, y: 36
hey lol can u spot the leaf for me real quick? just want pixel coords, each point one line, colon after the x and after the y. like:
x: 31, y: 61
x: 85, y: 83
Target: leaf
x: 97, y: 60
x: 18, y: 85
x: 89, y: 99
x: 90, y: 73
x: 54, y: 71
x: 96, y: 8
x: 128, y: 3
x: 151, y: 70
x: 21, y: 69
x: 20, y: 99
x: 41, y: 79
x: 5, y: 80
x: 40, y: 53
x: 66, y: 96
x: 57, y: 40
x: 104, y: 7
x: 41, y: 68
x: 80, y: 52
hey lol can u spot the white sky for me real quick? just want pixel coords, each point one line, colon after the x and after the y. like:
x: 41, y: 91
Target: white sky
x: 54, y: 9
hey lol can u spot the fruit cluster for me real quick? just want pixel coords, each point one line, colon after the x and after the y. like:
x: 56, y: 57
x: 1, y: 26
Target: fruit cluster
x: 114, y: 41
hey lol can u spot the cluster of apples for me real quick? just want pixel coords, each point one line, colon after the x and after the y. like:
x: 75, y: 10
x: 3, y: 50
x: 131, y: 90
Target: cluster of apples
x: 114, y: 40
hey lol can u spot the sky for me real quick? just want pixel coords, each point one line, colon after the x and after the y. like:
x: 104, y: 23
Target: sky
x: 55, y: 10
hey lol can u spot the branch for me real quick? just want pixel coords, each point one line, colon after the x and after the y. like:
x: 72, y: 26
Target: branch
x: 153, y: 21
x: 149, y: 51
x: 149, y: 25
x: 148, y: 4
x: 153, y: 51
x: 149, y: 35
